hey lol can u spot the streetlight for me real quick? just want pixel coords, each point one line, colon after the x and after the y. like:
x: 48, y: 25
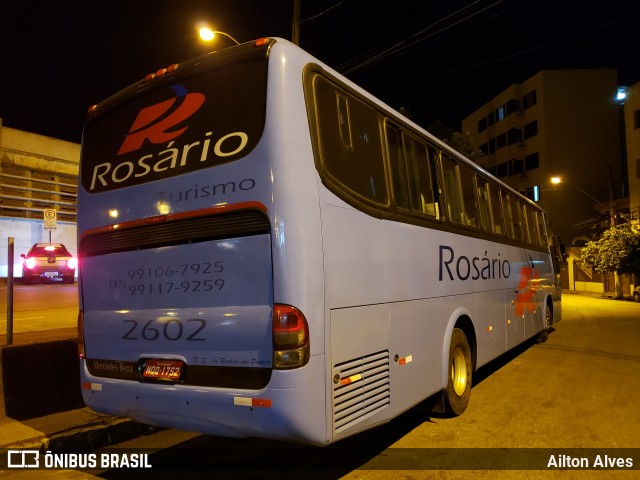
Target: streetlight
x: 206, y: 34
x: 558, y: 181
x: 612, y: 208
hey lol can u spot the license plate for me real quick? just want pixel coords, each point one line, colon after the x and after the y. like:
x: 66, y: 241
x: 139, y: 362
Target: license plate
x: 163, y: 369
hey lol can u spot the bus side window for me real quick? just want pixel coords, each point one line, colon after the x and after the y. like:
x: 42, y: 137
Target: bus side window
x: 397, y: 161
x: 421, y: 178
x: 507, y: 214
x: 532, y: 222
x: 484, y: 204
x: 496, y: 209
x: 452, y: 189
x: 434, y: 182
x: 469, y: 199
x: 518, y: 222
x: 350, y: 143
x: 544, y: 240
x: 343, y: 121
x: 525, y: 223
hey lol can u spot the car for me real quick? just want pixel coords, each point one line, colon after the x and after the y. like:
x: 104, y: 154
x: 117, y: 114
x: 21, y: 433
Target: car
x: 636, y: 294
x: 48, y: 260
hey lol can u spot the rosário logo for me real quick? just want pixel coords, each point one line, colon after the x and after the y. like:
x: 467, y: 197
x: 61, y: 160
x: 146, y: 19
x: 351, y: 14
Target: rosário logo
x: 163, y: 123
x: 154, y: 123
x: 455, y: 267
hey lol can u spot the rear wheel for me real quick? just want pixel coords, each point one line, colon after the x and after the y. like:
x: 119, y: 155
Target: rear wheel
x: 548, y: 320
x: 458, y: 391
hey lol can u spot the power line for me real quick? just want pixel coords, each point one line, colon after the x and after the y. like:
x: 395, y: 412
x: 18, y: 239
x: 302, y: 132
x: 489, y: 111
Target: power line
x: 511, y: 55
x: 441, y: 25
x: 313, y: 17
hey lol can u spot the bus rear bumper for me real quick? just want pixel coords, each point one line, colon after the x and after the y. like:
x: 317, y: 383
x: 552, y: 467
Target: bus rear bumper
x: 291, y: 407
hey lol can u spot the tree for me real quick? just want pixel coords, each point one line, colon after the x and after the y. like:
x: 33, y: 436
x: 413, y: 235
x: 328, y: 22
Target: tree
x: 440, y: 130
x: 461, y: 142
x: 618, y: 250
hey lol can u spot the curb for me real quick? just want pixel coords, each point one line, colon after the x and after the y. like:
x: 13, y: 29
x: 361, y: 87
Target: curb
x: 103, y: 432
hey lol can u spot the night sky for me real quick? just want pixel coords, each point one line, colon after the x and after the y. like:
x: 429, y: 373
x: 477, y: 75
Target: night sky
x: 440, y: 59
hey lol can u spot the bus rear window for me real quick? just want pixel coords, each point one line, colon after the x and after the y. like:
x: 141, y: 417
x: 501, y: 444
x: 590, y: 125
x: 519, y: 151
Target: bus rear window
x: 198, y: 118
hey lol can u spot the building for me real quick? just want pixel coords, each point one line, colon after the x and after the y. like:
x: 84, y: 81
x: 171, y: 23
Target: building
x: 36, y: 173
x: 558, y: 123
x: 632, y: 137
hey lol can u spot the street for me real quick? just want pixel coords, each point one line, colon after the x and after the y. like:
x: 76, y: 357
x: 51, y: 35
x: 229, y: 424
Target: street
x: 43, y: 306
x: 577, y: 391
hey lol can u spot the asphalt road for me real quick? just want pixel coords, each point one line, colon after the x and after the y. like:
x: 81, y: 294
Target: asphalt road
x: 44, y: 306
x: 578, y: 391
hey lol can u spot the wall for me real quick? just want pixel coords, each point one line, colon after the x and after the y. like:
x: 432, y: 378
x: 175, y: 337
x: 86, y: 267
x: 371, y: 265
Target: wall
x: 36, y: 172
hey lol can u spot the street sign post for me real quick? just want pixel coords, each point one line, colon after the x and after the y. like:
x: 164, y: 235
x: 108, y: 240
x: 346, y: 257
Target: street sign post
x: 50, y: 220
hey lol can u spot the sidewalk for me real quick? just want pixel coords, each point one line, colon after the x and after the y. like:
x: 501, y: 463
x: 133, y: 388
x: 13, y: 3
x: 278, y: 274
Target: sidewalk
x: 40, y: 402
x: 602, y: 295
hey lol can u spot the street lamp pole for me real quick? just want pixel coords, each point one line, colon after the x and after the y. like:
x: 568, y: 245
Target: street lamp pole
x: 612, y: 203
x: 612, y: 219
x: 612, y: 208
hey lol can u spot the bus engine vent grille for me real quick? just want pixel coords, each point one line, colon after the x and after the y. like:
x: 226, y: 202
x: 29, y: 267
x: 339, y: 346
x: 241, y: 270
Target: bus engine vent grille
x: 361, y: 388
x: 182, y: 230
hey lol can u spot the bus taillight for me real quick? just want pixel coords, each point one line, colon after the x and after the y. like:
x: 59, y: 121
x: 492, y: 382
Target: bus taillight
x: 290, y: 338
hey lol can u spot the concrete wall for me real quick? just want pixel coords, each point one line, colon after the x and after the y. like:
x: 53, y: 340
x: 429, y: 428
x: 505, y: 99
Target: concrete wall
x: 37, y: 152
x: 27, y: 142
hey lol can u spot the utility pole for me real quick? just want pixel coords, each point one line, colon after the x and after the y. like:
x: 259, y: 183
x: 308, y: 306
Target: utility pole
x: 617, y: 284
x: 295, y: 33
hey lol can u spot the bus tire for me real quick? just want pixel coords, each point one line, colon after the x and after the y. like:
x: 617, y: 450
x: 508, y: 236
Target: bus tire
x: 544, y: 334
x: 458, y: 390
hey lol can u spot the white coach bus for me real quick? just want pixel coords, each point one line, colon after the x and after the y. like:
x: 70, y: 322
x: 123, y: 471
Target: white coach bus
x: 268, y: 250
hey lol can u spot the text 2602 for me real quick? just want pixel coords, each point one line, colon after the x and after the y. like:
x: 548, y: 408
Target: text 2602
x: 173, y: 330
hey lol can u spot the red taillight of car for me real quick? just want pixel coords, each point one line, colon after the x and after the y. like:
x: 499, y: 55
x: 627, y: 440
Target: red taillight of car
x: 72, y: 263
x: 30, y: 263
x: 290, y: 338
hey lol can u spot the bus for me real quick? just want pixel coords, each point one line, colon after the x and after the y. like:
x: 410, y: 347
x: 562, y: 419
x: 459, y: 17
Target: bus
x: 265, y: 249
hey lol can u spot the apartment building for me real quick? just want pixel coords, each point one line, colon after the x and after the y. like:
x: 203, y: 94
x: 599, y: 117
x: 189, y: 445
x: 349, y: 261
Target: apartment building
x: 558, y: 123
x: 632, y: 137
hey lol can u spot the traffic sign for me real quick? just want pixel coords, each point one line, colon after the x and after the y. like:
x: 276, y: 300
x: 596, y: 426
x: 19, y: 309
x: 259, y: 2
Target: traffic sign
x: 50, y: 218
